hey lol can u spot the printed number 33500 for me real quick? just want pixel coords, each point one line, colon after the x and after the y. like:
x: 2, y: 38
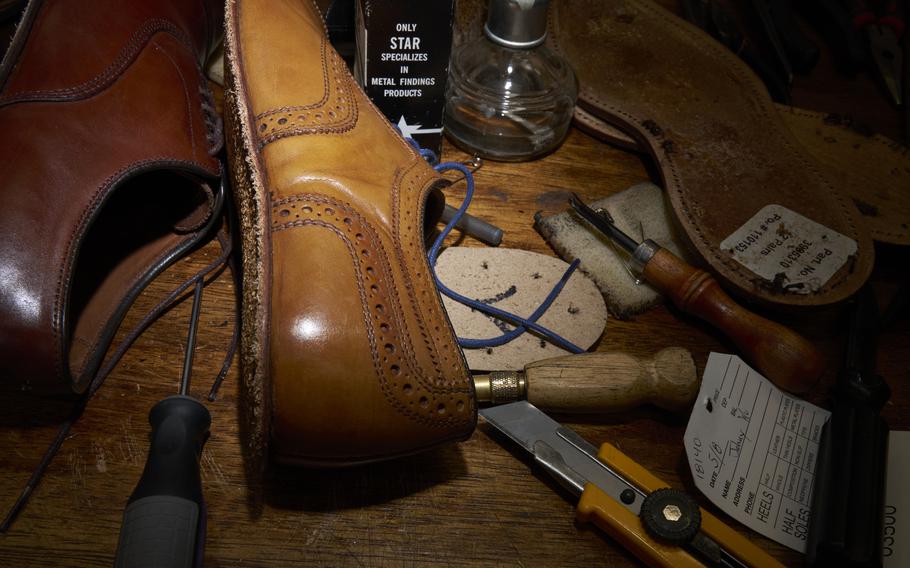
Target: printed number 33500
x: 889, y: 530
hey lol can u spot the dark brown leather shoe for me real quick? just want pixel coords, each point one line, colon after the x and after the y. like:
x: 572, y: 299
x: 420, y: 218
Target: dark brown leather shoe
x: 347, y: 353
x: 106, y: 159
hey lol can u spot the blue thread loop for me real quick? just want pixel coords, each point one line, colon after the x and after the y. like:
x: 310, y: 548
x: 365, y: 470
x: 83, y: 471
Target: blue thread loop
x: 425, y: 153
x: 522, y: 324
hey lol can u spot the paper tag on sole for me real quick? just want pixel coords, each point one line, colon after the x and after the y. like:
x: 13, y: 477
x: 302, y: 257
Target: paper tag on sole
x: 793, y: 252
x: 752, y: 450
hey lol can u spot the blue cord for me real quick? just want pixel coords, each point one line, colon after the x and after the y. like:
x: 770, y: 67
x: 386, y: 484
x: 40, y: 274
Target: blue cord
x: 425, y: 153
x: 522, y: 324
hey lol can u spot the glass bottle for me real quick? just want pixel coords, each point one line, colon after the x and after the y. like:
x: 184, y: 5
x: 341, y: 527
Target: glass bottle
x: 508, y: 96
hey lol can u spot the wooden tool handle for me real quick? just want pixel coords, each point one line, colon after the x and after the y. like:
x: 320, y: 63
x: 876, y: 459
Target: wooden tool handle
x: 782, y: 355
x: 612, y: 382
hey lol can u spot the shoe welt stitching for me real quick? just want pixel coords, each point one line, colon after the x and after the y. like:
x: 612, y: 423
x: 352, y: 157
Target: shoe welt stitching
x: 430, y: 400
x: 440, y: 345
x: 122, y: 61
x: 377, y: 245
x: 336, y: 113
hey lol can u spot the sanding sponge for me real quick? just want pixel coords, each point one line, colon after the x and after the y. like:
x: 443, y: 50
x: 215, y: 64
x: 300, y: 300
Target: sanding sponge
x: 641, y: 213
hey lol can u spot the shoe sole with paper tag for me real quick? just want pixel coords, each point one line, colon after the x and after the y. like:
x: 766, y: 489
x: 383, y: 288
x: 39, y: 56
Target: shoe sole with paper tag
x: 720, y: 145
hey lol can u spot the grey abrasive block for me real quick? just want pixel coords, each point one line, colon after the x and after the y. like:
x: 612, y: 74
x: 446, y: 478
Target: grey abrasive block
x: 641, y: 213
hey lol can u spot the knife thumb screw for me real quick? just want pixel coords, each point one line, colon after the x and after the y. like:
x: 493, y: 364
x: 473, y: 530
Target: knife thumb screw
x: 671, y: 516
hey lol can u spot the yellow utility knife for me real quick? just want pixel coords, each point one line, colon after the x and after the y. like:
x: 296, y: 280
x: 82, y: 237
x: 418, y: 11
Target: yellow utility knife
x: 660, y: 525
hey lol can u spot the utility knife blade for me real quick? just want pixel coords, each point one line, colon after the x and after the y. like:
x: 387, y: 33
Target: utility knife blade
x: 568, y: 457
x: 620, y: 497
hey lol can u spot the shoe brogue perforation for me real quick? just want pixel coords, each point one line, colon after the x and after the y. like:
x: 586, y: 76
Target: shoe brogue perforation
x: 413, y: 211
x: 335, y: 113
x: 308, y: 209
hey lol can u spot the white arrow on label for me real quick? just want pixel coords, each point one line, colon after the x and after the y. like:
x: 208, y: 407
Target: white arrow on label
x: 408, y: 130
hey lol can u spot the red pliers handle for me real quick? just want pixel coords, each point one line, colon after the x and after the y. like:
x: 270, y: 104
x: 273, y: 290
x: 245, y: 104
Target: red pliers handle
x: 884, y: 13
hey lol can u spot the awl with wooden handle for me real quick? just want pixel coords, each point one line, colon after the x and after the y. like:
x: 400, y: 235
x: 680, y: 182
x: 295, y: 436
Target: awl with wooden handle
x: 594, y: 383
x: 780, y: 353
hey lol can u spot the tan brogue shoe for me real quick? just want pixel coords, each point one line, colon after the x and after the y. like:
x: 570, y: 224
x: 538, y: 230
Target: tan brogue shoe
x: 347, y: 353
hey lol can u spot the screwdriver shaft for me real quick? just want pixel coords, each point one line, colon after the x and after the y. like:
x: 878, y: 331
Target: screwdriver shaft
x: 191, y: 340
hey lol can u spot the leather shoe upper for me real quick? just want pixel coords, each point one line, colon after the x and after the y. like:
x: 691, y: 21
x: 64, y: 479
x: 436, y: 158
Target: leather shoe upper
x: 105, y: 160
x: 346, y: 347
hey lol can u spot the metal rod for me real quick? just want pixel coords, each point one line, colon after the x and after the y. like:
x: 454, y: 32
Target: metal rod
x: 191, y: 340
x: 603, y: 223
x: 476, y: 227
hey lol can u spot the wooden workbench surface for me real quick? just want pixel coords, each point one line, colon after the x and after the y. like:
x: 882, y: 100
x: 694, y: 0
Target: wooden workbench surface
x: 477, y: 503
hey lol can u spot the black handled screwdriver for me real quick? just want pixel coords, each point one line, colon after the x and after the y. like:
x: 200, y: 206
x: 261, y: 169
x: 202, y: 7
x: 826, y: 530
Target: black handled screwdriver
x: 165, y: 518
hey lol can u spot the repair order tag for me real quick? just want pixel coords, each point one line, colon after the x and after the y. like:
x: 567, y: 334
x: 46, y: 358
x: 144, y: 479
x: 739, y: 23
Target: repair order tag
x: 752, y: 450
x: 788, y: 249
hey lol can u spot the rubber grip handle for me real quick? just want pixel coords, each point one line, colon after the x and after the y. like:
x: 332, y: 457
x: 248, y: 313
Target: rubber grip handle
x: 180, y: 425
x: 782, y: 355
x: 158, y: 531
x: 164, y: 521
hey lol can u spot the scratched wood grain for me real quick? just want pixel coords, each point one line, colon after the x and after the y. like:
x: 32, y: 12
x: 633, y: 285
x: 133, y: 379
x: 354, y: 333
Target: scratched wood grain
x: 472, y: 504
x: 477, y: 503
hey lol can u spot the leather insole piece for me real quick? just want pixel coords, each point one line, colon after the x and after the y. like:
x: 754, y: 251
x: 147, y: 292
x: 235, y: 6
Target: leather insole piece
x: 518, y: 281
x: 874, y: 171
x: 720, y: 145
